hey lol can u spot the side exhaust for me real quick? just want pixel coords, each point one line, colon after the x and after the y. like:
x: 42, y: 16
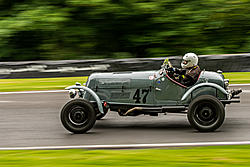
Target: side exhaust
x: 152, y: 111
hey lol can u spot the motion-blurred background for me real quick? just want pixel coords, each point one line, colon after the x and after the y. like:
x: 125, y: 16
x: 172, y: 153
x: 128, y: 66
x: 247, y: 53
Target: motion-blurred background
x: 89, y: 29
x: 51, y: 44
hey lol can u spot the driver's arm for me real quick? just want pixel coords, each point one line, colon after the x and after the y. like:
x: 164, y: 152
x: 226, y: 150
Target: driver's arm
x: 186, y: 80
x: 180, y: 71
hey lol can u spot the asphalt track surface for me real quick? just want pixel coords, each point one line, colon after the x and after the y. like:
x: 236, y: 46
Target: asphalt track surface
x: 32, y: 120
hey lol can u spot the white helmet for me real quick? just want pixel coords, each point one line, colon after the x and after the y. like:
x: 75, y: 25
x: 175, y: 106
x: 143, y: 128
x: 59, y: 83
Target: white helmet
x: 189, y: 60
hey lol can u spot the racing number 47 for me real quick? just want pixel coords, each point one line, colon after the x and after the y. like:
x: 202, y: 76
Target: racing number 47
x: 138, y: 95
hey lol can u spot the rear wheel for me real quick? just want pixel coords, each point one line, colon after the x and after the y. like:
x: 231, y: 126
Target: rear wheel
x: 206, y: 113
x: 78, y: 116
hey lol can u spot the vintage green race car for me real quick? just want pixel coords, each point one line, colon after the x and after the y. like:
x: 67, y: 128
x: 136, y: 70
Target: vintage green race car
x: 149, y: 93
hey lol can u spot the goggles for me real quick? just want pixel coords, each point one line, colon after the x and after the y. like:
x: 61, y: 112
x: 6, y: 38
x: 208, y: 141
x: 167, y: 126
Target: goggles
x: 185, y: 61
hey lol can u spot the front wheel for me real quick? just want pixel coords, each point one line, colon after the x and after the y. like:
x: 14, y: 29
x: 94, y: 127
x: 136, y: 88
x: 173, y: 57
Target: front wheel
x: 206, y: 113
x: 78, y: 116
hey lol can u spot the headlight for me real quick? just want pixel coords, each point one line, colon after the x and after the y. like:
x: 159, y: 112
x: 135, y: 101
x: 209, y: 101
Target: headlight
x: 72, y: 93
x: 226, y: 82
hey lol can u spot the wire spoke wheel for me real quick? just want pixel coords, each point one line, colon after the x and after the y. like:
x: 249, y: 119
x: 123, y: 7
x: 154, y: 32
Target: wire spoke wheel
x: 206, y: 113
x: 78, y: 116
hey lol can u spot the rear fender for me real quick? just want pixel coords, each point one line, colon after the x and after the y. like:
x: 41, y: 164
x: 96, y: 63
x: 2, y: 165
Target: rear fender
x: 90, y: 91
x: 184, y: 97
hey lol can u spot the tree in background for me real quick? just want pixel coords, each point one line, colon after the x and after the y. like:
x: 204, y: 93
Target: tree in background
x: 87, y: 29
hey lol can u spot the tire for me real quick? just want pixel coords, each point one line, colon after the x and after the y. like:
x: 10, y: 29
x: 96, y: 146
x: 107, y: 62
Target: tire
x: 78, y: 116
x: 99, y: 115
x: 206, y: 113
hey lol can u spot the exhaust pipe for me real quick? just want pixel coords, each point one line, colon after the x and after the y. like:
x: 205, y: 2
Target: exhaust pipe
x: 235, y: 92
x: 132, y: 110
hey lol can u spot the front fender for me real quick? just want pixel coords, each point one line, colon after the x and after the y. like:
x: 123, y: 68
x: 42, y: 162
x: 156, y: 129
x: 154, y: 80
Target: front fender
x: 203, y: 85
x: 90, y: 91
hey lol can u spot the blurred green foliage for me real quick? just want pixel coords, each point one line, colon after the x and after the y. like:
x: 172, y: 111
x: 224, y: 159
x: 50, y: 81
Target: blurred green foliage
x: 81, y: 29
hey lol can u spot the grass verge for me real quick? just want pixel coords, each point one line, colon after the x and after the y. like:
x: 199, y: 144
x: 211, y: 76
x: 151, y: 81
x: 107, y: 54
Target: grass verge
x: 238, y: 77
x: 7, y: 85
x: 216, y: 156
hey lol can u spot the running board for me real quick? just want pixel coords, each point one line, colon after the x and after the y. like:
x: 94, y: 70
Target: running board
x: 154, y: 110
x: 174, y: 109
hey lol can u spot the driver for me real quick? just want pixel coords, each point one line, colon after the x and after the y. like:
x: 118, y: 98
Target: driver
x: 190, y: 71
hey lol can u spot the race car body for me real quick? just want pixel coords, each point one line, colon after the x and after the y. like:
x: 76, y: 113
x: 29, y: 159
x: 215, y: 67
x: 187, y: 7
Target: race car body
x: 149, y: 93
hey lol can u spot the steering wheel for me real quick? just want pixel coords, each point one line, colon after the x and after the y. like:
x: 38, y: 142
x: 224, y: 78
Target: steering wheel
x: 167, y: 65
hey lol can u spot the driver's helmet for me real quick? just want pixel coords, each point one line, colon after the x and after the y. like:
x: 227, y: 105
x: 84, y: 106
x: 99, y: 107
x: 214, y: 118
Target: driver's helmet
x: 189, y: 60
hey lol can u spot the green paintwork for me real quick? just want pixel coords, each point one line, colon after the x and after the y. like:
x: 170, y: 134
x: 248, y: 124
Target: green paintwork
x: 150, y: 88
x: 90, y: 91
x: 211, y: 77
